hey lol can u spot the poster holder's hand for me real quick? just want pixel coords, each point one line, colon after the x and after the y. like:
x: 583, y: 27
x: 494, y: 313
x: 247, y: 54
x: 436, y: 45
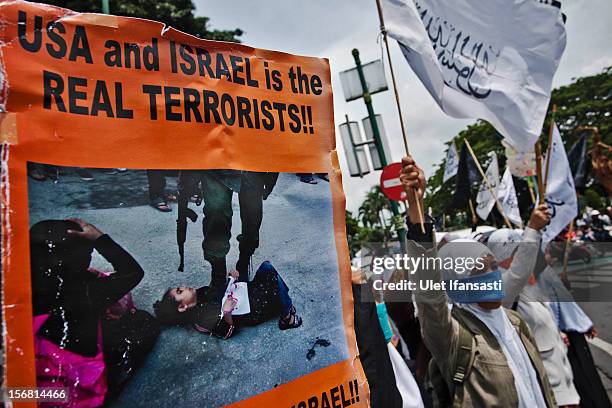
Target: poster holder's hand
x: 414, y: 182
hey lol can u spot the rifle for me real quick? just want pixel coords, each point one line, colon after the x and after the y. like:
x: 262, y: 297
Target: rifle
x: 184, y: 212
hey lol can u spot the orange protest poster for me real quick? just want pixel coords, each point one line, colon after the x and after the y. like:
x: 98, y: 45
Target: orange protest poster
x: 157, y: 245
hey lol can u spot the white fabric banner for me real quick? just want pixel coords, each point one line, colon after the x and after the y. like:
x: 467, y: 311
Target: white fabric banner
x: 405, y: 382
x: 492, y: 60
x: 560, y: 191
x: 484, y: 200
x: 506, y: 194
x: 452, y: 162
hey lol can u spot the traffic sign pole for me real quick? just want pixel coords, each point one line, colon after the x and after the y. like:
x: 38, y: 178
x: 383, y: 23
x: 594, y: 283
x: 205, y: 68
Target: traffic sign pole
x: 367, y: 98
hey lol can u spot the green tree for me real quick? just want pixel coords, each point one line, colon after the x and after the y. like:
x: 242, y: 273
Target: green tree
x: 175, y: 13
x: 352, y: 233
x: 585, y: 102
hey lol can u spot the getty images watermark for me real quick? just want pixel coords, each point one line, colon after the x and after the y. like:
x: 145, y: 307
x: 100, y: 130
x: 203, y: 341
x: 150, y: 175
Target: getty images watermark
x: 581, y: 273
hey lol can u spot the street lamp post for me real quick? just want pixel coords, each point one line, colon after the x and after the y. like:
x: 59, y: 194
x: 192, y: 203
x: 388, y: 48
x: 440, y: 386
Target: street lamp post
x: 367, y: 98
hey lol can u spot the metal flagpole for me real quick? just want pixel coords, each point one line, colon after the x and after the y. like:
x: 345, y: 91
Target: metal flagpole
x: 383, y: 30
x: 486, y: 180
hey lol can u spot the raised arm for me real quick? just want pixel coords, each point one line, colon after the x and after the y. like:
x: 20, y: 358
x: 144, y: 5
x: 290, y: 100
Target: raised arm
x: 440, y: 331
x: 104, y: 292
x: 524, y: 261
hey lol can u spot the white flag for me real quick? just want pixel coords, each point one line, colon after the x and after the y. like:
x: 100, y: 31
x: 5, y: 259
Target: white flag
x: 506, y: 194
x: 452, y: 162
x: 484, y: 200
x: 492, y: 60
x: 560, y: 191
x: 520, y: 161
x: 405, y: 382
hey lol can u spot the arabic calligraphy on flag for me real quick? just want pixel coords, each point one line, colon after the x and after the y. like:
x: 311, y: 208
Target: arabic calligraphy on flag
x: 492, y: 60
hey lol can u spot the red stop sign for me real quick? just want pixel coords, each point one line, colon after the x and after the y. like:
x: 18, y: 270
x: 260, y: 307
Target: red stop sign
x: 390, y: 183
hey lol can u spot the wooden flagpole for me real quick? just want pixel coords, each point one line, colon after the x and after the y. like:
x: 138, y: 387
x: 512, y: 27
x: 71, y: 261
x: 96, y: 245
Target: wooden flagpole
x: 474, y: 218
x: 567, y: 244
x: 383, y: 30
x: 486, y: 180
x: 543, y: 178
x: 538, y: 157
x: 549, y: 147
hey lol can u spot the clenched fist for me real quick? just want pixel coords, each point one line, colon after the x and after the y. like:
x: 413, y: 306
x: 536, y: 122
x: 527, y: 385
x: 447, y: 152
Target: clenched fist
x: 414, y: 182
x: 540, y: 217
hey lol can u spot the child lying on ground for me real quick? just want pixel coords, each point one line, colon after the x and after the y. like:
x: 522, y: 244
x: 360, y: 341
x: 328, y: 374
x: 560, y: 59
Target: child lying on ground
x: 268, y: 295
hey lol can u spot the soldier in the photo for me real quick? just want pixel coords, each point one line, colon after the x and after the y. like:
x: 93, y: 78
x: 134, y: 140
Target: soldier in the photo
x: 216, y: 188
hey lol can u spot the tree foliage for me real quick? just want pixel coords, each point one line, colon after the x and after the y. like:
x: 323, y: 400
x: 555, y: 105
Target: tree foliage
x: 175, y: 13
x: 585, y: 102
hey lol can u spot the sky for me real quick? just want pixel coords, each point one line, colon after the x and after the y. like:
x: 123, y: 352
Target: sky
x: 332, y: 28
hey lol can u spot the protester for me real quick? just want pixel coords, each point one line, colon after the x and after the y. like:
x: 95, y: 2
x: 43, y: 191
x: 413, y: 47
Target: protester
x: 483, y: 354
x: 69, y: 304
x: 404, y: 378
x: 268, y: 296
x: 217, y: 189
x: 530, y: 303
x: 373, y: 351
x: 576, y: 325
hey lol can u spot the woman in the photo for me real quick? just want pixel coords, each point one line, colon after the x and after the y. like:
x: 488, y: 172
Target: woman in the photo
x: 69, y: 304
x: 268, y: 296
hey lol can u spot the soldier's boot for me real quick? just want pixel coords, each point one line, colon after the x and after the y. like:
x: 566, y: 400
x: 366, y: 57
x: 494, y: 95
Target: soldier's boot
x: 243, y: 266
x: 218, y: 277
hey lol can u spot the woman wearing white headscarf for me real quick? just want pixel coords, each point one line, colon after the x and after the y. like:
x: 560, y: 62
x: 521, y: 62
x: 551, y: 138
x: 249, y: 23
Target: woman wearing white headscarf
x: 504, y: 367
x: 532, y: 304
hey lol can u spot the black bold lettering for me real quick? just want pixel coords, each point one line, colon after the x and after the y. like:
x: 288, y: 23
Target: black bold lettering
x: 22, y: 32
x: 75, y: 95
x: 130, y: 50
x: 173, y: 57
x: 250, y: 81
x: 150, y: 56
x: 189, y: 68
x: 221, y: 69
x: 112, y: 58
x: 295, y: 124
x: 101, y: 100
x: 53, y: 86
x: 122, y: 113
x: 268, y: 120
x: 316, y: 85
x: 60, y: 52
x: 280, y: 108
x: 228, y: 110
x: 153, y: 91
x: 211, y: 105
x: 169, y: 91
x: 191, y: 100
x: 80, y: 45
x: 244, y: 112
x: 236, y: 69
x: 204, y: 61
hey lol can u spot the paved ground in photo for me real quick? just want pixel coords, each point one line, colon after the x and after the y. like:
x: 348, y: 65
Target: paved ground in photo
x: 187, y: 368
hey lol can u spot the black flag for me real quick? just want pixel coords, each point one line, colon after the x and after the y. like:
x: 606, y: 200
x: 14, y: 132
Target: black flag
x: 467, y: 176
x: 578, y: 162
